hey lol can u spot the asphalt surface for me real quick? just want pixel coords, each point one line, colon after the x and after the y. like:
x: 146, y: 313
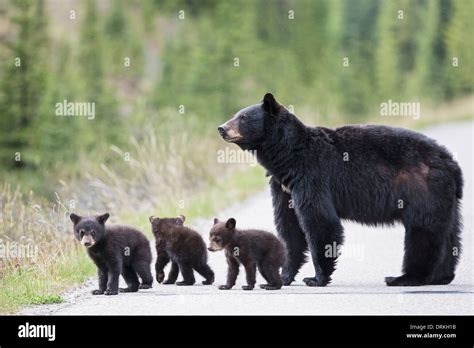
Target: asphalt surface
x: 358, y: 285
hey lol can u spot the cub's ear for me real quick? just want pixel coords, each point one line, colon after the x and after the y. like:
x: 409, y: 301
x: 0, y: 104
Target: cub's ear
x: 230, y: 224
x: 75, y: 218
x: 102, y: 218
x: 270, y: 104
x: 216, y: 220
x: 180, y: 220
x: 152, y: 218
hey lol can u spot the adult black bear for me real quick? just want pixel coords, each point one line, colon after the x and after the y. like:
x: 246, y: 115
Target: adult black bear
x: 369, y: 174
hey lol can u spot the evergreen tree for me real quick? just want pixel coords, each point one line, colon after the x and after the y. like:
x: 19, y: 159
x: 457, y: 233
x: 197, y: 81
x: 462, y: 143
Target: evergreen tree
x: 24, y: 82
x: 105, y: 128
x: 460, y: 58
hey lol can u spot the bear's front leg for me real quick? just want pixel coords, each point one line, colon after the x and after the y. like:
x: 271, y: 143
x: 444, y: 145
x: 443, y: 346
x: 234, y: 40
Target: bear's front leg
x: 250, y: 272
x: 162, y: 260
x: 113, y: 275
x: 232, y: 273
x: 289, y: 231
x: 324, y: 233
x: 102, y: 274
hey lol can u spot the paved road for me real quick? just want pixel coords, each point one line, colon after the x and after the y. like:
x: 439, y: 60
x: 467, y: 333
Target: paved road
x: 358, y: 284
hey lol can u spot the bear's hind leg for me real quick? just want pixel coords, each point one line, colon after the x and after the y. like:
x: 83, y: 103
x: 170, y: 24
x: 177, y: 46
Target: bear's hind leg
x: 187, y: 273
x: 425, y: 248
x: 173, y: 274
x: 271, y: 275
x: 206, y: 271
x: 444, y: 273
x: 143, y: 270
x: 250, y: 273
x: 131, y: 279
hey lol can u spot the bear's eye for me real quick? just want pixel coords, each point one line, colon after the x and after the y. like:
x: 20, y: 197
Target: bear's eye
x: 244, y: 117
x: 93, y: 233
x: 217, y: 239
x: 81, y: 233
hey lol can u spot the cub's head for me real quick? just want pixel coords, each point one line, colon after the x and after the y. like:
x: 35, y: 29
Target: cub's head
x: 247, y: 128
x: 221, y: 234
x: 89, y: 230
x: 159, y: 225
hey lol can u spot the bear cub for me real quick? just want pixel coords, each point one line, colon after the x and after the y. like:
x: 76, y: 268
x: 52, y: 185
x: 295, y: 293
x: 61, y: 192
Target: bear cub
x: 184, y: 247
x: 115, y: 249
x: 252, y: 248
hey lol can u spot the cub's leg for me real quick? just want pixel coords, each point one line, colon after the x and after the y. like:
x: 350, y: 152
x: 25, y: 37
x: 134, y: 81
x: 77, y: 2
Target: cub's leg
x: 102, y: 273
x: 187, y: 273
x: 142, y: 268
x: 232, y: 273
x: 271, y: 275
x: 131, y: 279
x: 250, y: 272
x: 162, y: 260
x: 206, y: 271
x: 173, y: 274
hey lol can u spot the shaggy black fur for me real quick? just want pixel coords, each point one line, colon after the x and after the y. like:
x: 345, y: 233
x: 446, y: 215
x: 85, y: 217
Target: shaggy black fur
x: 184, y: 247
x: 116, y: 250
x: 369, y: 174
x: 254, y: 249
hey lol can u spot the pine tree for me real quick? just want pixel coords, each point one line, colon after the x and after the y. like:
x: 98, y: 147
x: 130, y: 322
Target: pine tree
x: 107, y: 121
x: 24, y: 82
x: 460, y: 57
x: 427, y: 80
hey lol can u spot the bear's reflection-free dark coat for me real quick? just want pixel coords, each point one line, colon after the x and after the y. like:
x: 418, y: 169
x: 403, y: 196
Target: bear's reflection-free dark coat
x: 368, y: 174
x: 118, y: 250
x: 184, y: 247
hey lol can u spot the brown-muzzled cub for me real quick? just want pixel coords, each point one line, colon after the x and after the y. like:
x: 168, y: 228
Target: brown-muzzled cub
x: 115, y: 249
x: 184, y: 247
x: 252, y: 248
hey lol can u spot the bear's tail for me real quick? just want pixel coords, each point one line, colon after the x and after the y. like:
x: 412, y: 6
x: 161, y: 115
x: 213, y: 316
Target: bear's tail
x: 458, y: 180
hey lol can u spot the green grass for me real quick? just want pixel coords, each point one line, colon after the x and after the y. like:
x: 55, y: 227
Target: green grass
x: 43, y: 284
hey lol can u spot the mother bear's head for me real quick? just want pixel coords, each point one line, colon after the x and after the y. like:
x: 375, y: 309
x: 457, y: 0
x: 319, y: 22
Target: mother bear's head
x: 250, y: 126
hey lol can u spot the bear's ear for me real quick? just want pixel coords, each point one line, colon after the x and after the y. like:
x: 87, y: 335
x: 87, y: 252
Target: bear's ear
x: 101, y: 219
x: 153, y: 218
x: 230, y: 224
x: 180, y: 220
x: 75, y: 218
x: 216, y: 220
x: 270, y: 104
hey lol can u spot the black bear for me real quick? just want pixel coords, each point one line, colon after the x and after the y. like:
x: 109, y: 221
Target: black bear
x: 184, y: 247
x: 252, y: 248
x: 368, y: 173
x: 115, y: 249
